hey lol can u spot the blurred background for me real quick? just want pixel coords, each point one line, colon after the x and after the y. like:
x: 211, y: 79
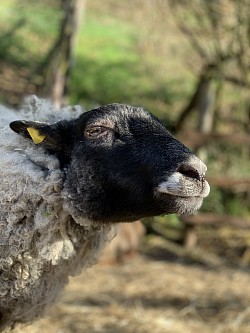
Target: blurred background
x: 188, y: 62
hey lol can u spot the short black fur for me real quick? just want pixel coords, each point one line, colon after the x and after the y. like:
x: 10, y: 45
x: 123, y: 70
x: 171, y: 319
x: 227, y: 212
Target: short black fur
x: 114, y: 157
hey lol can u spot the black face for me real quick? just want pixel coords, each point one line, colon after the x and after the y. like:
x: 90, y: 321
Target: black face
x: 116, y: 163
x: 115, y: 157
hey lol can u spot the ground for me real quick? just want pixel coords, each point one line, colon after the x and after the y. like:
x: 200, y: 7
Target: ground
x: 146, y: 295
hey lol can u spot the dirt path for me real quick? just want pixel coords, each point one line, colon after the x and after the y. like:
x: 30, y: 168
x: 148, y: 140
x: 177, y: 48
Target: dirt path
x: 148, y: 296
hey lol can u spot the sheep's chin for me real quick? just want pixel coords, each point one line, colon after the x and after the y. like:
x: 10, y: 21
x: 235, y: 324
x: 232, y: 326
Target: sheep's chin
x: 188, y: 205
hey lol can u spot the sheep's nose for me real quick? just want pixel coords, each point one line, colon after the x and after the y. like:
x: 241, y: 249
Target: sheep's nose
x: 193, y: 168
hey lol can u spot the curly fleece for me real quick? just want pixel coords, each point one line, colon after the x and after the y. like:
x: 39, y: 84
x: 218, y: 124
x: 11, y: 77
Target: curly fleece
x: 41, y: 242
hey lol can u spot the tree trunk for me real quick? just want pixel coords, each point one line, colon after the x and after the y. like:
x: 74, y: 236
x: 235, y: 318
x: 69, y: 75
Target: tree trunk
x: 203, y: 101
x: 58, y: 63
x: 205, y: 106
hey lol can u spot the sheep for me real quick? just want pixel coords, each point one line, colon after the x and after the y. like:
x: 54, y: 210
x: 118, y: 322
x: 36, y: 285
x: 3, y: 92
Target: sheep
x: 125, y: 244
x: 66, y: 178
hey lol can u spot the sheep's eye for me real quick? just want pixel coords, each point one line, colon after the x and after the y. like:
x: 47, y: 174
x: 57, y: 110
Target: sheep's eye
x: 95, y: 131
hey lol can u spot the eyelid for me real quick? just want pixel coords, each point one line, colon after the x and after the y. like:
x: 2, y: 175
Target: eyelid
x: 94, y: 124
x: 103, y: 127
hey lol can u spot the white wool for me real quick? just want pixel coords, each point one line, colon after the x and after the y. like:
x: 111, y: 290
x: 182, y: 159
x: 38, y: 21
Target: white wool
x: 41, y: 244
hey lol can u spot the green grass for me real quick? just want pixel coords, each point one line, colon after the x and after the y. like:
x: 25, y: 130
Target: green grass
x: 108, y: 69
x: 30, y: 41
x: 109, y: 65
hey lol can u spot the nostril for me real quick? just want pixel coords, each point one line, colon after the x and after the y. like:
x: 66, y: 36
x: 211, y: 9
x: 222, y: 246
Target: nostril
x: 190, y: 172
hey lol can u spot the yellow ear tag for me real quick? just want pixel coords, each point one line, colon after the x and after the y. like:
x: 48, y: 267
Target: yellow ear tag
x: 35, y: 135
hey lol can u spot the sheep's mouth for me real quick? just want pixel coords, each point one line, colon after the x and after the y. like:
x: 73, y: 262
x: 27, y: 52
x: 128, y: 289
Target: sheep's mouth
x: 173, y: 203
x: 183, y: 186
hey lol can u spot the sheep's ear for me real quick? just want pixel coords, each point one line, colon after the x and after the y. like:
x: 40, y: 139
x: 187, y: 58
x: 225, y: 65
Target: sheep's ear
x: 54, y: 138
x: 30, y: 129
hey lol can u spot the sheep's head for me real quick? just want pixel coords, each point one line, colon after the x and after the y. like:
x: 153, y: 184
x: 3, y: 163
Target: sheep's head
x: 121, y: 164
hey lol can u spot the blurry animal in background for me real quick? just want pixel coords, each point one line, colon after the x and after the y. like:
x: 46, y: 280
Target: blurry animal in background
x: 125, y: 244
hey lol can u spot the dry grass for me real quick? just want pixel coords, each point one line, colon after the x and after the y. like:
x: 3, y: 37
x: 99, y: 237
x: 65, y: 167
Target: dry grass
x: 145, y: 296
